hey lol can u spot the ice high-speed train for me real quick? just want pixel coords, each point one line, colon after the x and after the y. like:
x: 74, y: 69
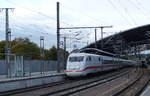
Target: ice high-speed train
x: 81, y: 64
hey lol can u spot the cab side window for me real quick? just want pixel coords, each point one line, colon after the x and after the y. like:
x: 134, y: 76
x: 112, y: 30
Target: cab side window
x: 88, y: 58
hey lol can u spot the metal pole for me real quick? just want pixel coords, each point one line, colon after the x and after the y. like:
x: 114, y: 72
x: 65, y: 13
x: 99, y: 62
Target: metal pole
x: 64, y: 52
x: 138, y: 51
x: 42, y: 53
x: 7, y: 41
x: 102, y: 37
x: 95, y: 38
x: 58, y: 39
x: 7, y: 49
x: 121, y: 47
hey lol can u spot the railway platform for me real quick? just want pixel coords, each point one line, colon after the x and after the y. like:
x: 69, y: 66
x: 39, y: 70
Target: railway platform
x: 8, y: 84
x: 146, y: 92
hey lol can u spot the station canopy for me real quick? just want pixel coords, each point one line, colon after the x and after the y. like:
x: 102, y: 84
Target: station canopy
x: 124, y: 40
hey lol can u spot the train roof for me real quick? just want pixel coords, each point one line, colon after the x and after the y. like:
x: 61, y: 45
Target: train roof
x: 85, y: 54
x: 94, y: 51
x: 80, y: 54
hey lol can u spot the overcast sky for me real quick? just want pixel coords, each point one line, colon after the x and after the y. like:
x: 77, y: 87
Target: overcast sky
x: 35, y: 18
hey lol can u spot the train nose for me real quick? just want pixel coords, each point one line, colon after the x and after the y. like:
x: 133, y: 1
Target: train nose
x: 74, y: 71
x: 75, y: 74
x: 73, y: 66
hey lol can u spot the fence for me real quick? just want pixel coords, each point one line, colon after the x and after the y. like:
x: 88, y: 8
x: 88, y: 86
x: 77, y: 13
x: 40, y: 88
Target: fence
x: 32, y: 66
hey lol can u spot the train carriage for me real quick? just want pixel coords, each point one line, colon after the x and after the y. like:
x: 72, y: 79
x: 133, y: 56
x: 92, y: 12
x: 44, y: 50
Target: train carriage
x: 81, y: 64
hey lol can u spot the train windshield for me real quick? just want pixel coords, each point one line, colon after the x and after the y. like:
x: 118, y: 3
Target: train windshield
x: 76, y: 59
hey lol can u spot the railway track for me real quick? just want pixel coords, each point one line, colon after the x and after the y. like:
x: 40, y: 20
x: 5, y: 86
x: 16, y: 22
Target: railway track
x: 67, y: 87
x: 135, y: 87
x: 32, y: 88
x: 86, y: 85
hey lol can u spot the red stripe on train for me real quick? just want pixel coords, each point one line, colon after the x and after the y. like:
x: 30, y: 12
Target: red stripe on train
x: 90, y: 67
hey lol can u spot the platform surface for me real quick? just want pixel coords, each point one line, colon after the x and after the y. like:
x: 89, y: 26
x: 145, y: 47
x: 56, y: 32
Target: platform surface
x: 146, y: 92
x: 35, y: 79
x: 4, y: 78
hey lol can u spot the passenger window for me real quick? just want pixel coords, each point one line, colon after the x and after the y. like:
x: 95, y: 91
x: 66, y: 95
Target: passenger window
x: 89, y: 58
x: 99, y: 59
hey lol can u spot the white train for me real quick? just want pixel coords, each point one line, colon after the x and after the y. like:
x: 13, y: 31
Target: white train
x: 81, y: 64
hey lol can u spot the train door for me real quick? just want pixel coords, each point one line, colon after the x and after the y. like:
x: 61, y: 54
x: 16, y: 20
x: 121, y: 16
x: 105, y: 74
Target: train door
x: 88, y: 63
x: 94, y: 63
x: 99, y: 64
x: 113, y: 63
x: 102, y: 67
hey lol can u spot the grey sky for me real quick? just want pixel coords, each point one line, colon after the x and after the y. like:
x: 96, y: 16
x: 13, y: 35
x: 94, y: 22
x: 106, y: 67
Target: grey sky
x: 35, y: 18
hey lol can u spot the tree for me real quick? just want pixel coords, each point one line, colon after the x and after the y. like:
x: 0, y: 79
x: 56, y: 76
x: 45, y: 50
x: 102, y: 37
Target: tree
x: 53, y: 53
x: 25, y: 46
x: 2, y: 49
x: 47, y: 54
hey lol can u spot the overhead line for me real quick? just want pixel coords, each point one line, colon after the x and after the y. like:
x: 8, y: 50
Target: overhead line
x: 125, y: 19
x: 40, y: 13
x: 138, y: 8
x: 84, y: 14
x: 85, y: 27
x: 126, y: 11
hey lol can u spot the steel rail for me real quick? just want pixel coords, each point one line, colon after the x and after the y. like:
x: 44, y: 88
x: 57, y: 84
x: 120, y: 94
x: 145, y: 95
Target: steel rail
x: 78, y: 88
x: 22, y: 90
x: 132, y: 84
x: 50, y: 85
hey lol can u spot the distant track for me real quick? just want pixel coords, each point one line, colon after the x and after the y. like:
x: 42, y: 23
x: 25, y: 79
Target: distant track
x: 135, y: 87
